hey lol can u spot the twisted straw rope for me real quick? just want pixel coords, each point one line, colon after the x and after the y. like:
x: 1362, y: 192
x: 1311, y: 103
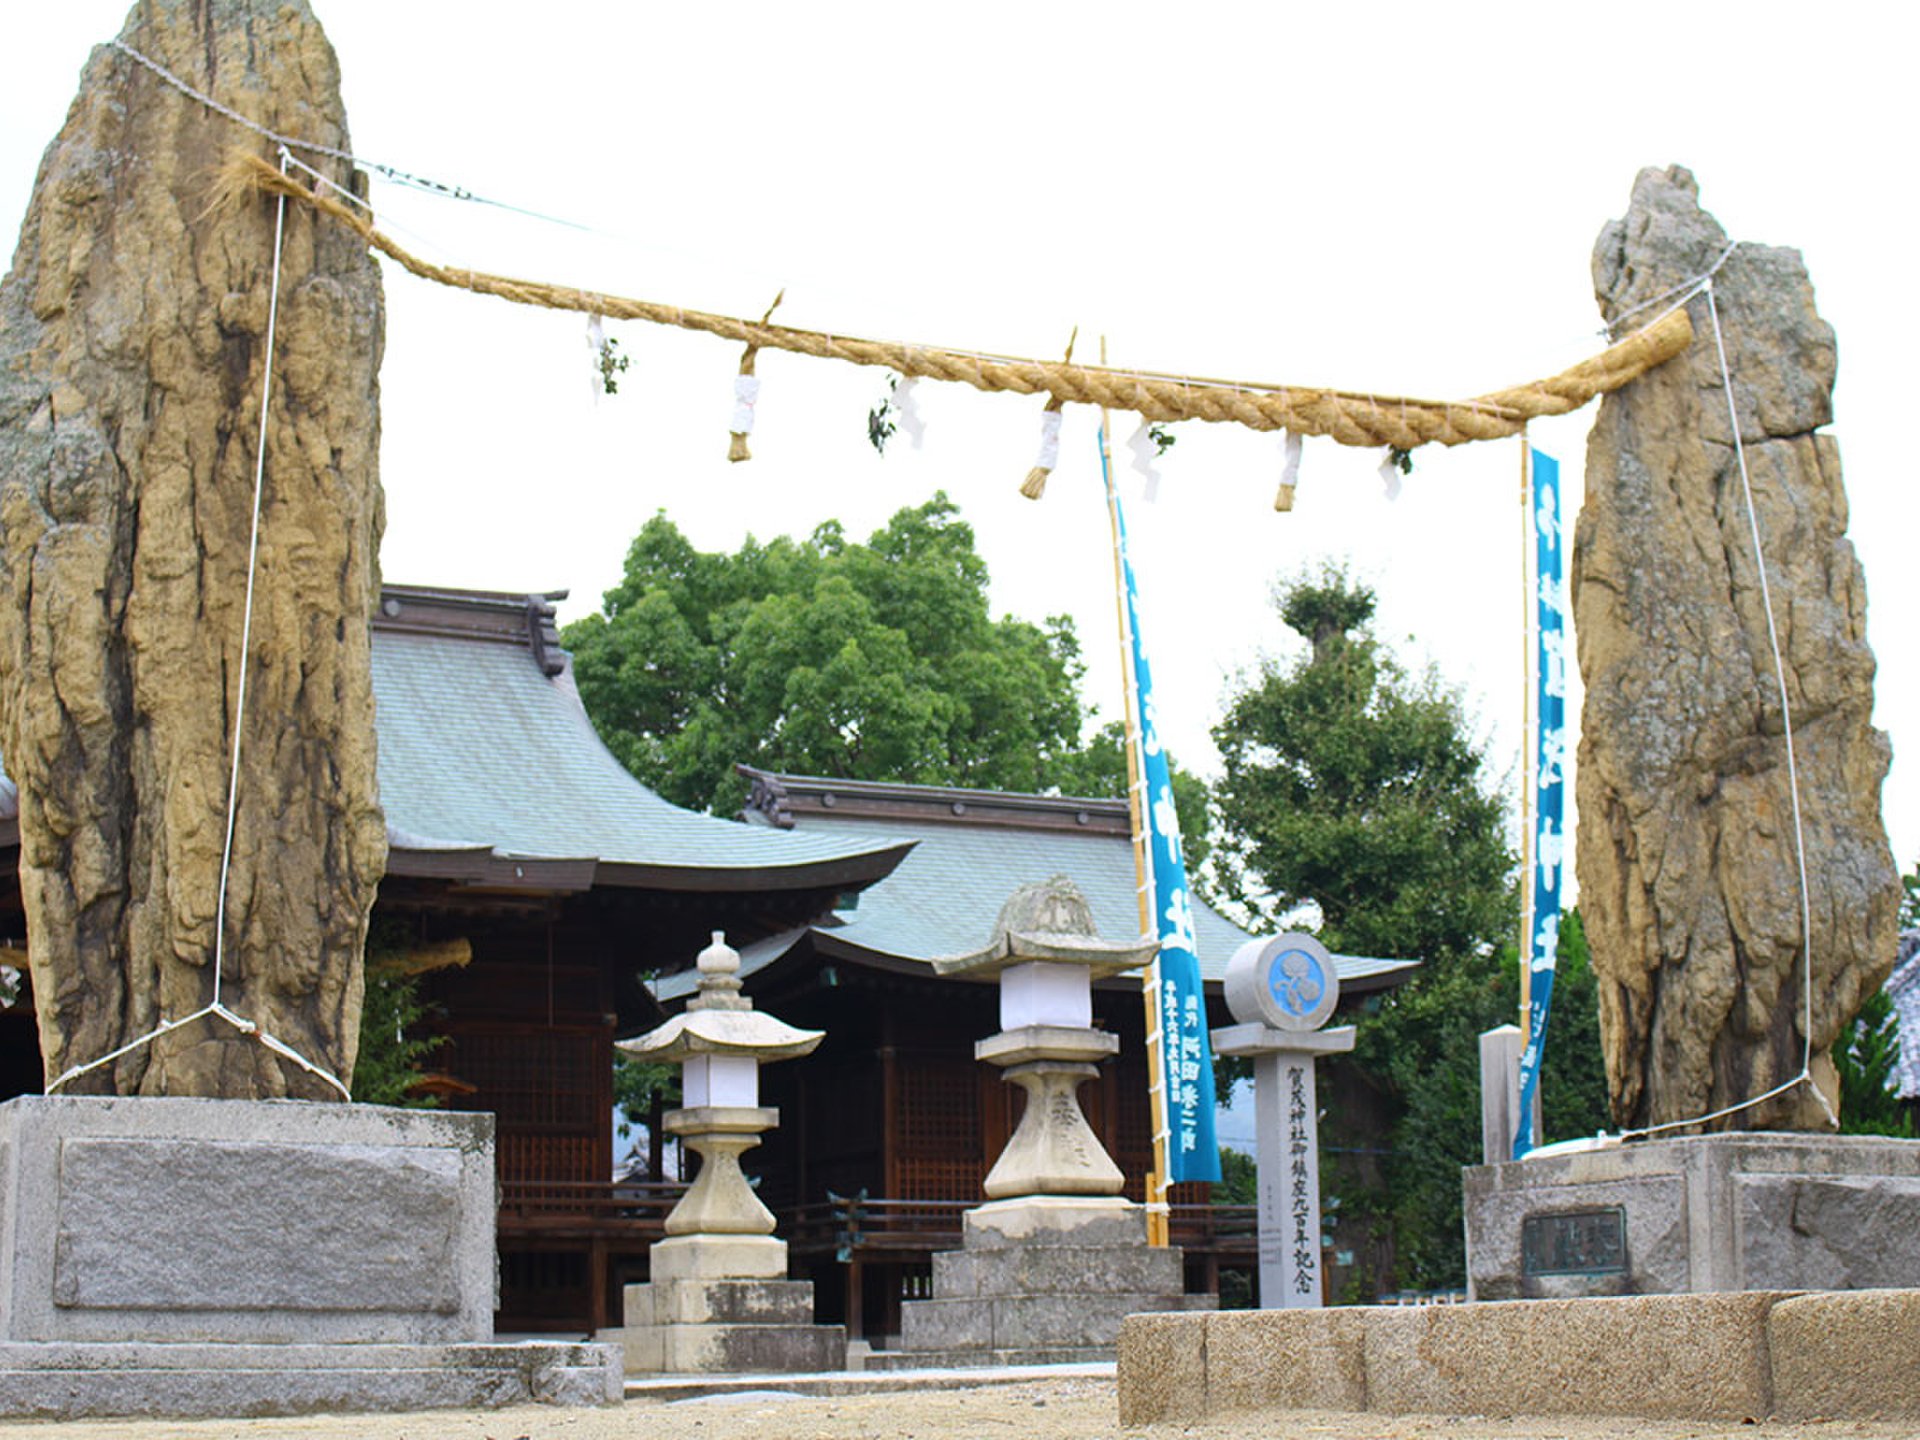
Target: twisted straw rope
x: 1343, y: 416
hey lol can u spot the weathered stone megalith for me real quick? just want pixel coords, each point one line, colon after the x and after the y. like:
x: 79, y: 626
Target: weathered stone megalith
x: 132, y: 352
x: 1688, y: 882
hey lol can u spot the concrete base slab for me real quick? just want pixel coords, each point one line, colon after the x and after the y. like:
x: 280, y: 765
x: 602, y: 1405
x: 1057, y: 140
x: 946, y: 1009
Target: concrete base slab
x: 903, y: 1380
x: 1732, y: 1356
x: 61, y: 1381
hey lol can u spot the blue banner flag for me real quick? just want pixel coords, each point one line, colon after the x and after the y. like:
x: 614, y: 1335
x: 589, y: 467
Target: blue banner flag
x: 1550, y: 851
x: 1186, y: 1055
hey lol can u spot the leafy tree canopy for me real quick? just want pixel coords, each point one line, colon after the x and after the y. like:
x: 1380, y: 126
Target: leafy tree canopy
x: 868, y: 661
x: 1352, y: 787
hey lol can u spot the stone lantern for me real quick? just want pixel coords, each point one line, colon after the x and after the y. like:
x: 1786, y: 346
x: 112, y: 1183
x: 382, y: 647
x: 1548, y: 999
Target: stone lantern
x: 1046, y: 955
x: 717, y: 1297
x: 1057, y: 1257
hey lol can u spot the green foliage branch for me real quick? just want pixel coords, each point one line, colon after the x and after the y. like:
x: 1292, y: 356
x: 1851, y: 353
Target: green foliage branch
x: 393, y: 1047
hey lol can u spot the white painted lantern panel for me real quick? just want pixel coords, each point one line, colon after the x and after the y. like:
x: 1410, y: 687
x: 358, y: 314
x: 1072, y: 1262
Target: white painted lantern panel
x: 1043, y: 992
x: 720, y: 1080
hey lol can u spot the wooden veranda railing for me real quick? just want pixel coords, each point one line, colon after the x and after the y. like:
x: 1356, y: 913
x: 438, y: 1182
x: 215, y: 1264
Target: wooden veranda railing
x: 885, y: 1228
x: 629, y: 1209
x: 637, y: 1210
x: 612, y: 1222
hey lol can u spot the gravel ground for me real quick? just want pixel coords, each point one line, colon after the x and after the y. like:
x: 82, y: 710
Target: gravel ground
x: 1067, y: 1409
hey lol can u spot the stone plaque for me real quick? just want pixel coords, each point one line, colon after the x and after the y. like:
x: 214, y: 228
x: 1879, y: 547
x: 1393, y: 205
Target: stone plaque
x: 1574, y: 1242
x: 375, y: 1226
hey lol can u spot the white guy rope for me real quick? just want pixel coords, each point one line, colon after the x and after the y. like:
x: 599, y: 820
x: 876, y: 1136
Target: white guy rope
x: 1705, y: 287
x: 285, y: 142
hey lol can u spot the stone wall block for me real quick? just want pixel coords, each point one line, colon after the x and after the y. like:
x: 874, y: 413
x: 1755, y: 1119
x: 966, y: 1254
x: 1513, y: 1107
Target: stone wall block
x: 733, y: 1302
x: 1695, y: 1357
x: 1846, y: 1356
x: 1162, y: 1369
x: 1073, y: 1269
x: 946, y: 1325
x: 1286, y: 1360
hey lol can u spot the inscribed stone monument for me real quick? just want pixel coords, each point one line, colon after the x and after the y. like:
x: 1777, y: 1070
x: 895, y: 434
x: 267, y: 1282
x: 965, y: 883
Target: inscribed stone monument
x: 1282, y: 991
x: 1688, y: 881
x: 133, y: 350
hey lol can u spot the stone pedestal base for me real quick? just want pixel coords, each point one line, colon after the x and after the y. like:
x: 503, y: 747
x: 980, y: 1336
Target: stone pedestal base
x: 1040, y: 1280
x: 229, y: 1257
x: 1748, y: 1211
x: 722, y: 1304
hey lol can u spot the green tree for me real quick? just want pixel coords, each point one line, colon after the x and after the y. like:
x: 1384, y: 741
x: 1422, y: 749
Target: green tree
x: 1869, y: 1049
x: 868, y: 661
x: 1353, y: 788
x: 1573, y: 1074
x: 1356, y: 791
x: 392, y: 1049
x: 1865, y: 1055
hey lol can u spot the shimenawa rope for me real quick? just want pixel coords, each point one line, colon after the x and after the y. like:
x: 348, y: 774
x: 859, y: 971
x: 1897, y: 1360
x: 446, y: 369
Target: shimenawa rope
x: 1344, y: 416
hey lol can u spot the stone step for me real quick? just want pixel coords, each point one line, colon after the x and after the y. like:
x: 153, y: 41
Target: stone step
x: 1062, y: 1269
x: 1025, y: 1322
x: 706, y: 1349
x: 730, y: 1302
x: 67, y: 1381
x: 976, y: 1359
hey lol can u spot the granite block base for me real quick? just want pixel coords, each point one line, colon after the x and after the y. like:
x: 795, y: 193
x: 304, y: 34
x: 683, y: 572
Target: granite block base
x: 197, y: 1258
x: 1746, y: 1211
x: 688, y: 1320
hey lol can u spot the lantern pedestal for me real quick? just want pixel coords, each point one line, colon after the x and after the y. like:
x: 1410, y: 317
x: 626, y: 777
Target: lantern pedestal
x: 717, y: 1297
x: 1052, y: 1151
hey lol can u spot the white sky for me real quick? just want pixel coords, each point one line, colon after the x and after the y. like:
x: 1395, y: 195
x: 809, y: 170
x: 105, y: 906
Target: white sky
x: 1394, y: 199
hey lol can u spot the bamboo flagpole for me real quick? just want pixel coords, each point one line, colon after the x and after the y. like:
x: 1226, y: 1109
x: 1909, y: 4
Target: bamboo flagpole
x: 1157, y: 1217
x: 1527, y: 624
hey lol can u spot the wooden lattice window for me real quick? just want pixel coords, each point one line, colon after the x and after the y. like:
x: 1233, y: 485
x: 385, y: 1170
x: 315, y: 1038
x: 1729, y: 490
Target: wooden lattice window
x: 937, y: 1139
x: 550, y: 1091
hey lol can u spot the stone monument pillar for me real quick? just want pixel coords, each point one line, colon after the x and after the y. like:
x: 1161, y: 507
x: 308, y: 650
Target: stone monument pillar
x: 1282, y: 991
x: 717, y: 1297
x: 1689, y: 877
x: 136, y: 356
x: 1055, y: 1259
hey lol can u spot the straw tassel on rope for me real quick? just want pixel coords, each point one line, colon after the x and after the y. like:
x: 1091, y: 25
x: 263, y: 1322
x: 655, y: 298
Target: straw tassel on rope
x: 1291, y: 447
x: 1035, y: 485
x: 746, y: 394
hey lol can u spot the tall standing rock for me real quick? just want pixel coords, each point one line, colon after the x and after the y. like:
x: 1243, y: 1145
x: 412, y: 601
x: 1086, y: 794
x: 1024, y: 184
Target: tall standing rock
x: 1688, y: 882
x: 133, y: 347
